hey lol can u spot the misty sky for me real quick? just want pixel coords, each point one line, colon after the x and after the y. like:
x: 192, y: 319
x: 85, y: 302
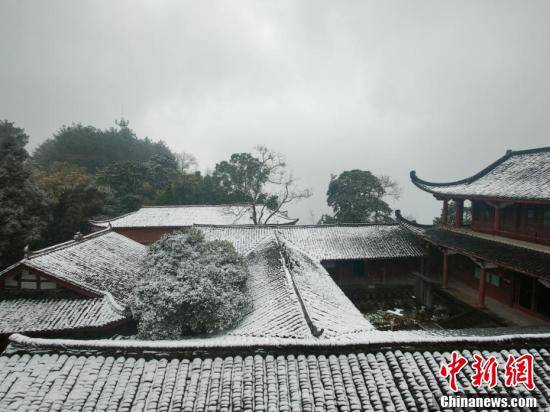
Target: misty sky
x: 441, y: 87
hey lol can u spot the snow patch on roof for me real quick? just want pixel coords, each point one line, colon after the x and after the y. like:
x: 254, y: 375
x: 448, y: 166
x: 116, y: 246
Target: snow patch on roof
x: 101, y: 262
x: 47, y: 314
x: 327, y: 242
x: 187, y: 215
x: 517, y: 175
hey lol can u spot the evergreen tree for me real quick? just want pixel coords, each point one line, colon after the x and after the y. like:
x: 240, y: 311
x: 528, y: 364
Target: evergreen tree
x: 190, y: 287
x: 74, y: 199
x: 23, y: 206
x: 95, y: 149
x: 126, y: 184
x: 357, y: 196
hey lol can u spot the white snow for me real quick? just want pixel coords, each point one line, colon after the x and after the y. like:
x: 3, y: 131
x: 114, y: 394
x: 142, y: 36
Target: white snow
x: 187, y: 215
x: 521, y: 176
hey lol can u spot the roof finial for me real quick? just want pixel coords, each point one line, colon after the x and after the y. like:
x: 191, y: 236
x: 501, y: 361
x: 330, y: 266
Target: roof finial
x: 26, y: 251
x: 122, y: 123
x: 77, y: 236
x: 508, y: 152
x: 109, y: 225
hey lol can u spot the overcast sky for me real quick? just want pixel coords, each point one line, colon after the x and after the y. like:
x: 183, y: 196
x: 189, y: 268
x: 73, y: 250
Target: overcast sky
x: 440, y: 87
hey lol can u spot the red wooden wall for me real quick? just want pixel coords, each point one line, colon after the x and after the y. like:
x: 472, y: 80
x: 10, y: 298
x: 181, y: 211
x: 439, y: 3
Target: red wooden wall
x: 530, y: 222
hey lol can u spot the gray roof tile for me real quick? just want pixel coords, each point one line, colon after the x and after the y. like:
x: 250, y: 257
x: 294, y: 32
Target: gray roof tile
x: 187, y: 215
x: 102, y: 262
x: 327, y: 242
x: 43, y: 314
x: 395, y: 376
x: 517, y: 175
x: 294, y: 297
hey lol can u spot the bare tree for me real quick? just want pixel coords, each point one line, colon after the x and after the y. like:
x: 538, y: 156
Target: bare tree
x: 391, y: 187
x: 187, y: 162
x: 262, y: 180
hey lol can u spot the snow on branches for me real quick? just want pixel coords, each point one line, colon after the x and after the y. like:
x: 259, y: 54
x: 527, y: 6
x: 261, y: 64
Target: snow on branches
x: 190, y: 287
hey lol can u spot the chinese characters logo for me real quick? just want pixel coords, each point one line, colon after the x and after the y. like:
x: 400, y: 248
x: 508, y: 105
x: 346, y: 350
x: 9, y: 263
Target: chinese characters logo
x: 517, y: 370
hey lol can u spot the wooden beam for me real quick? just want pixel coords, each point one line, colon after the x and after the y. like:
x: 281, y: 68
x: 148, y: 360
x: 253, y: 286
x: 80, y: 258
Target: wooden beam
x: 483, y: 264
x: 499, y: 205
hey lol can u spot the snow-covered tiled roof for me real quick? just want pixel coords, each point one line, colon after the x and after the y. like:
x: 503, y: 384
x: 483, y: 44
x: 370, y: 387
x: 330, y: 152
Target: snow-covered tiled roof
x: 294, y: 297
x: 54, y: 314
x: 395, y: 375
x: 518, y: 175
x: 276, y: 310
x: 521, y: 259
x: 101, y: 262
x: 327, y: 242
x: 187, y: 215
x: 330, y: 311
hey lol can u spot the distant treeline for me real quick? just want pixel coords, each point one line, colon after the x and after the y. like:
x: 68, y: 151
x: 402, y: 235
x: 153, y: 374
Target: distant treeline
x: 83, y: 172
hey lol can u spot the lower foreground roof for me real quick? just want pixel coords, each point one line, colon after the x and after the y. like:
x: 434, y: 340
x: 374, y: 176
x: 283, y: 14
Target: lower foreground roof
x: 391, y: 376
x: 55, y: 314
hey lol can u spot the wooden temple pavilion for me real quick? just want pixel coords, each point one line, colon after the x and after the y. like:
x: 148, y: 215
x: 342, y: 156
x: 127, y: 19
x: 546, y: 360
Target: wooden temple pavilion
x: 504, y: 252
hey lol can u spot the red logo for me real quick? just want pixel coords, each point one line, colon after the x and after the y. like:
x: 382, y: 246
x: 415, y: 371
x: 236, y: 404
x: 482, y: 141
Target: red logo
x: 520, y: 370
x: 452, y: 368
x: 516, y: 370
x: 484, y: 371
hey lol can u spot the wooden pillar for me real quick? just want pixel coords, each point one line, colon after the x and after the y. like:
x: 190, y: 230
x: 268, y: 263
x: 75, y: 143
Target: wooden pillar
x: 496, y: 223
x: 481, y: 289
x: 459, y: 211
x: 445, y: 280
x: 444, y: 212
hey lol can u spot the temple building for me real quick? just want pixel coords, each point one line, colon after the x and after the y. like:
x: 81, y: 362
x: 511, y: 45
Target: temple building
x: 149, y: 223
x: 355, y: 255
x: 74, y: 289
x: 503, y: 251
x: 305, y: 344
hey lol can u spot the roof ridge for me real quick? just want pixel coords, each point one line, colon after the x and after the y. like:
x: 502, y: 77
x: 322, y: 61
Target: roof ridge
x: 279, y: 226
x: 259, y: 243
x: 374, y: 339
x: 529, y: 151
x: 65, y: 245
x: 421, y: 183
x: 115, y: 306
x: 195, y: 205
x: 403, y: 220
x: 245, y: 206
x: 113, y: 218
x: 281, y: 246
